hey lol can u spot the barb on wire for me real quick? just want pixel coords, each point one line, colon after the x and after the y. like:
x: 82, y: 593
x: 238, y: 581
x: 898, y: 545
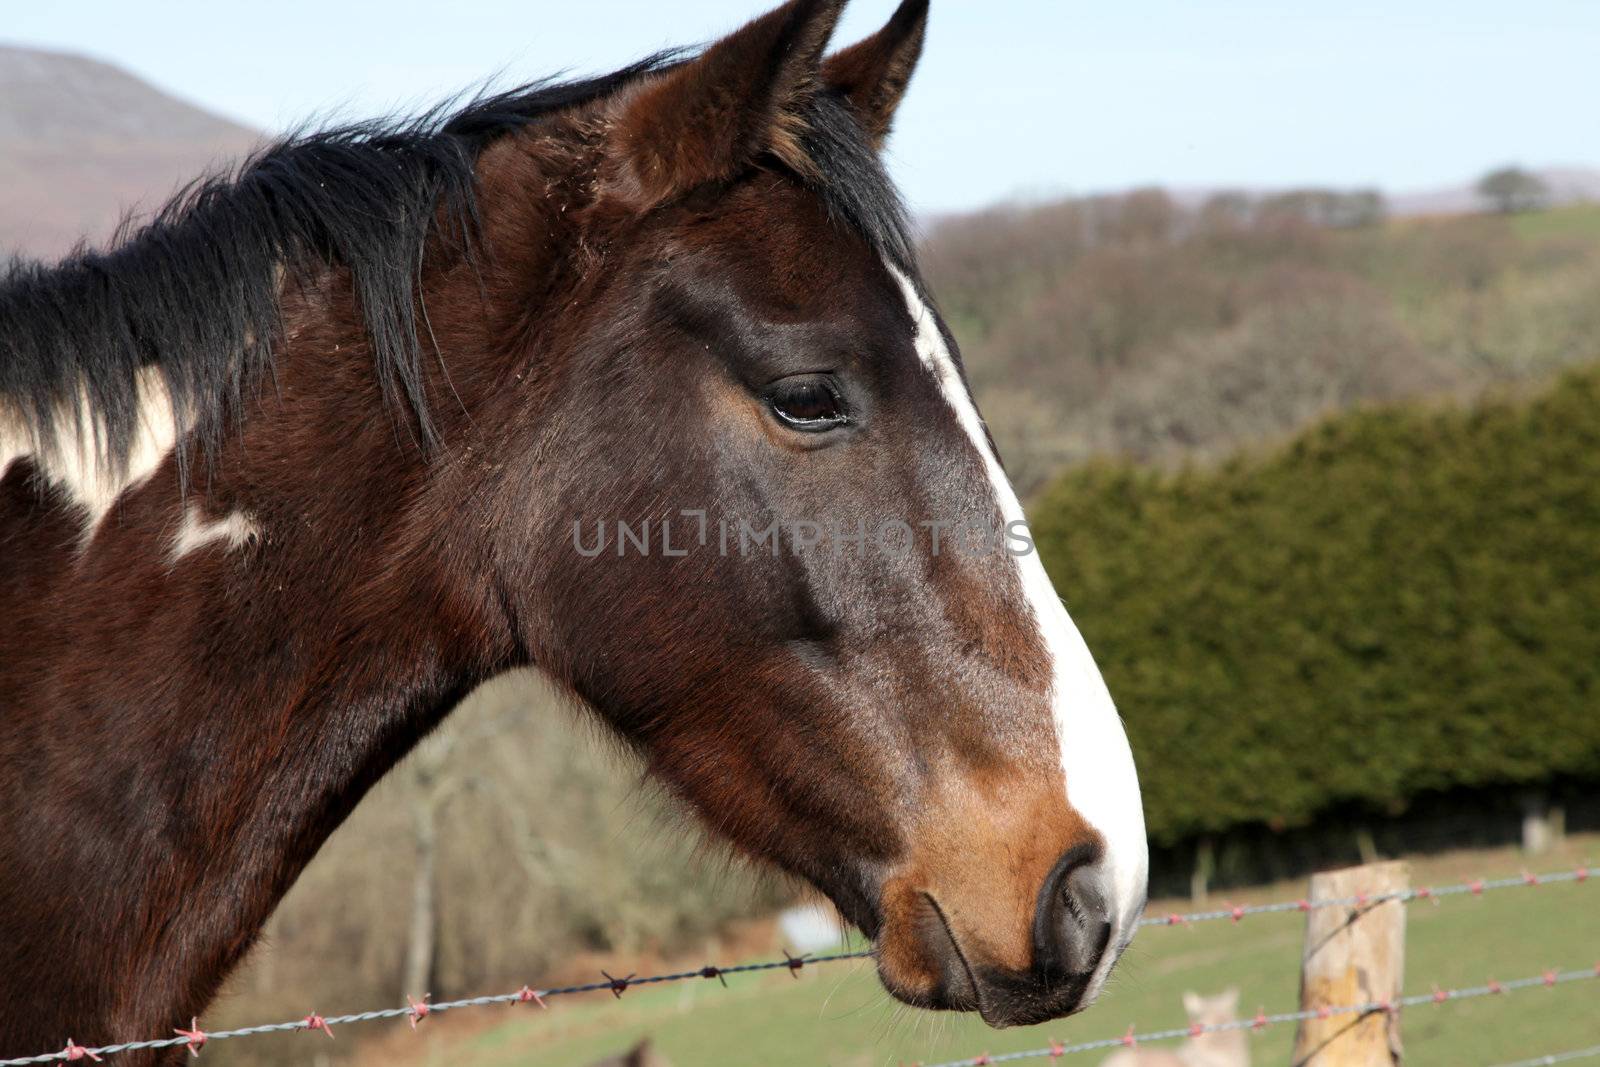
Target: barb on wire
x: 1262, y: 1020
x: 1558, y: 1057
x: 194, y: 1038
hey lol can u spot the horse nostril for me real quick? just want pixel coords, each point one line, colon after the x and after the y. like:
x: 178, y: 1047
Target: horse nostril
x: 1073, y: 923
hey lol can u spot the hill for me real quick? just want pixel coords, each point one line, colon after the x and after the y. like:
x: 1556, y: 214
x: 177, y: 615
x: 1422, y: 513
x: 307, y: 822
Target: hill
x: 82, y: 142
x: 1134, y: 326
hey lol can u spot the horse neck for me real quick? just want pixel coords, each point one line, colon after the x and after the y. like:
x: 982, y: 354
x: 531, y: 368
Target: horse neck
x: 184, y: 732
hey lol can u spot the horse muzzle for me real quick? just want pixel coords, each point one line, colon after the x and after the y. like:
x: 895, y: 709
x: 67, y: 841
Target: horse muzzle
x: 934, y: 954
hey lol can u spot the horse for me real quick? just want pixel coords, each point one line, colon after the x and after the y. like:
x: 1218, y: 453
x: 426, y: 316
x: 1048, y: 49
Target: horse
x: 291, y: 469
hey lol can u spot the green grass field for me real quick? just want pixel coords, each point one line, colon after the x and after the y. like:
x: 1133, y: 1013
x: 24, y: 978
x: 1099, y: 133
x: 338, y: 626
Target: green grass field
x: 837, y: 1015
x: 1578, y: 222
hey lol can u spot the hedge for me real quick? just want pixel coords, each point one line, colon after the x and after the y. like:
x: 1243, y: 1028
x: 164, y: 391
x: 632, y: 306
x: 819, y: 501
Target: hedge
x: 1401, y: 601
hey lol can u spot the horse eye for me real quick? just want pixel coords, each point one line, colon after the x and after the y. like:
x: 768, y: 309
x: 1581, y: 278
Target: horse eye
x: 807, y: 402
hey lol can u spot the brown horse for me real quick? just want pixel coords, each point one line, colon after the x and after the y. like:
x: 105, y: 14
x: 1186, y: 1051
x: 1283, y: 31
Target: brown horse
x: 631, y: 380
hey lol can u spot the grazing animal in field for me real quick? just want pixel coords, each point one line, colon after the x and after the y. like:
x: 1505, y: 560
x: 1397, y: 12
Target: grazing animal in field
x: 1227, y: 1048
x: 290, y: 471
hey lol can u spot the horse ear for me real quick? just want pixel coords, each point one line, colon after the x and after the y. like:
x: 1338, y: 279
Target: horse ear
x: 1193, y: 1004
x: 705, y: 119
x: 874, y: 73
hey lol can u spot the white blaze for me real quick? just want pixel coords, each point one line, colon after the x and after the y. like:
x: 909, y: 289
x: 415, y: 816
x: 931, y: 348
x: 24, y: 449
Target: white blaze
x: 1097, y: 763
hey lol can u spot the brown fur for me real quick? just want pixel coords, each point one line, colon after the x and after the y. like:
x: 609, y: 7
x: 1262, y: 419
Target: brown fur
x: 982, y: 849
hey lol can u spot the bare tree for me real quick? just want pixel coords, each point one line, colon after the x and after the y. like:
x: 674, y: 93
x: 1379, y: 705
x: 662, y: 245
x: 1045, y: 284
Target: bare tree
x: 443, y: 767
x: 432, y: 783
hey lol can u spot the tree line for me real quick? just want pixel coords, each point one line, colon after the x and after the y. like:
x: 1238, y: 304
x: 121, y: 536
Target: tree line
x: 1402, y: 602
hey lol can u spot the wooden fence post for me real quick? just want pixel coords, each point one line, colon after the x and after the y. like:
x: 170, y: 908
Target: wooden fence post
x: 1353, y: 955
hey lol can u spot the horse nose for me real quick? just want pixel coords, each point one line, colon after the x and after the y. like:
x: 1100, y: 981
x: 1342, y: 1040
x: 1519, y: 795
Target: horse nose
x: 1019, y: 915
x: 1073, y: 923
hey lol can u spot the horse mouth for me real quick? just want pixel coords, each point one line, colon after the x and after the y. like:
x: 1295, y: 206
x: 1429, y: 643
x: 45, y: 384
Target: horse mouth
x: 956, y: 987
x: 961, y: 991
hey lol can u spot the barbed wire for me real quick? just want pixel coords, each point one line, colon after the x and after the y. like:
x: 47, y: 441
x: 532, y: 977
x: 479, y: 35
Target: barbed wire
x: 1477, y: 887
x: 1558, y: 1057
x: 1262, y: 1020
x: 416, y: 1010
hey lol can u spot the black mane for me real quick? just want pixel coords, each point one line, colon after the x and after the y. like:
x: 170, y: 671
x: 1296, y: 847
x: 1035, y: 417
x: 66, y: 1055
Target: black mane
x: 194, y: 292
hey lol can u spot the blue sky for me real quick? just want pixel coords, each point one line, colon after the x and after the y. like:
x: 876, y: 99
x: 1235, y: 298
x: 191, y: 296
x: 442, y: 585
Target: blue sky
x: 1014, y: 97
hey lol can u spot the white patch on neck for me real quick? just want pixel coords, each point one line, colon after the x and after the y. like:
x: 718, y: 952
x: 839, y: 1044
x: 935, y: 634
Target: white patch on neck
x: 1101, y: 782
x: 72, y: 458
x: 235, y: 530
x: 13, y: 441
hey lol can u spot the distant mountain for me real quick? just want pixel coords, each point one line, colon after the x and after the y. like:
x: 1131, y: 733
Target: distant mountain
x: 82, y: 142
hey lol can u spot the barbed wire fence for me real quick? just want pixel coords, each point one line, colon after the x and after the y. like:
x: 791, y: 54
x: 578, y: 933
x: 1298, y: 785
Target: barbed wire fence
x: 195, y: 1038
x: 1262, y: 1021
